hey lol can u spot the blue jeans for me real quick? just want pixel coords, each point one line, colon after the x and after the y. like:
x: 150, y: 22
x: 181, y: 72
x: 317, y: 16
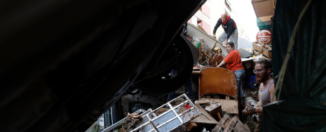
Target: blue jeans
x: 188, y: 91
x: 240, y: 74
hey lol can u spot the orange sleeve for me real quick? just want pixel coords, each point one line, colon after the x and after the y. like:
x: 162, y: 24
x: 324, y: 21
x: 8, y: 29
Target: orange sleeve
x: 229, y: 58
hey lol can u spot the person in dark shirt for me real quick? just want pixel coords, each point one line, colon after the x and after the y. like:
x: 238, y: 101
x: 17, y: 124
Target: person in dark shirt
x: 230, y: 33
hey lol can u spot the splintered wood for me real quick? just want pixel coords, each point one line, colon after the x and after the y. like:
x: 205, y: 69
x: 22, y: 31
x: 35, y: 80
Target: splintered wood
x: 204, y: 118
x: 228, y: 124
x: 209, y: 56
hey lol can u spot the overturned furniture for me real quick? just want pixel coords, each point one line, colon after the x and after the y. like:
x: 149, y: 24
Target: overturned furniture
x: 222, y: 82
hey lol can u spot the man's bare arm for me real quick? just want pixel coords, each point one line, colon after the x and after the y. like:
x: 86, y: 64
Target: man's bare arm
x: 258, y: 108
x: 221, y: 64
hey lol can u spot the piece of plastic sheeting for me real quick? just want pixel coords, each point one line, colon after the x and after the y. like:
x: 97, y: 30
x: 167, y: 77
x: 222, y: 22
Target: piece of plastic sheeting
x: 305, y: 76
x: 294, y: 115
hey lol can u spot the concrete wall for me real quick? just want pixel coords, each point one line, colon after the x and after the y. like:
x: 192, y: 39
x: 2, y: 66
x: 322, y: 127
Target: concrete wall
x: 210, y: 13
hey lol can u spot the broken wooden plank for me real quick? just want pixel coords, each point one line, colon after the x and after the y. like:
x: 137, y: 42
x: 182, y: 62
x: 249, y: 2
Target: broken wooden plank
x: 202, y: 102
x: 227, y: 123
x: 225, y: 117
x: 220, y: 124
x: 240, y: 127
x: 204, y: 117
x: 230, y: 125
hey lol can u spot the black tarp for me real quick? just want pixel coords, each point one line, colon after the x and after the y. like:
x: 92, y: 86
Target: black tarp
x: 303, y: 95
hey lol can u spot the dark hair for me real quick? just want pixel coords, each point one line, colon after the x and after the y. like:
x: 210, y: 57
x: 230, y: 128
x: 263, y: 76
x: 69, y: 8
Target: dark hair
x: 267, y: 63
x: 231, y: 44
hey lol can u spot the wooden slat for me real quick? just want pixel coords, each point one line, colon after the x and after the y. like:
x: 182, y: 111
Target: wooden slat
x: 202, y: 102
x: 231, y: 125
x: 221, y: 124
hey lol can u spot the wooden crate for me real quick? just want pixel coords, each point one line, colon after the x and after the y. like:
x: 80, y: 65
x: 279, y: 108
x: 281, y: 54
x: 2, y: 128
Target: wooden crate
x: 258, y: 53
x: 265, y: 50
x: 228, y: 124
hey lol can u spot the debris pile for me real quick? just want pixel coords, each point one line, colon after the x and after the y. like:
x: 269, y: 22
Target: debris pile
x: 228, y: 124
x: 181, y: 115
x: 207, y: 56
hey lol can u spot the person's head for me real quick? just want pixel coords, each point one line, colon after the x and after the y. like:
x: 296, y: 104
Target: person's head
x: 263, y: 69
x: 229, y: 47
x: 223, y: 17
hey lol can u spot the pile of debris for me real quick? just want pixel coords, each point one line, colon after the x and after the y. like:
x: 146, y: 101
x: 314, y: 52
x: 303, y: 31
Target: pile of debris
x: 207, y: 56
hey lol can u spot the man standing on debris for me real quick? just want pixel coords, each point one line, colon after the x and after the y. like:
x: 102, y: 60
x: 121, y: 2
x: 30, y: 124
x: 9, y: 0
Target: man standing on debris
x: 263, y: 69
x: 234, y: 63
x: 230, y: 33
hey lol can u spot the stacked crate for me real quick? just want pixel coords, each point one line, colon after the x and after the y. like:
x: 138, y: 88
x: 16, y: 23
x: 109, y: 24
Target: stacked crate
x: 264, y: 49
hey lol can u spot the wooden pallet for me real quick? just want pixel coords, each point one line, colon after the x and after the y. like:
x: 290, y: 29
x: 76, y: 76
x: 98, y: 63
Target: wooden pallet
x: 262, y: 49
x: 256, y: 53
x: 228, y: 124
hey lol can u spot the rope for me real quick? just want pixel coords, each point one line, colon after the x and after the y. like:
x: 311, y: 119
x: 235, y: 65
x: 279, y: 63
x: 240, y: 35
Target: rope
x: 288, y: 55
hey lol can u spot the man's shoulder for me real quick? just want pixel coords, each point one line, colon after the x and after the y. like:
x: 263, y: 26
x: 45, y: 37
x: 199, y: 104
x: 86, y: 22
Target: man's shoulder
x: 219, y: 20
x: 231, y: 20
x: 234, y: 52
x: 272, y: 87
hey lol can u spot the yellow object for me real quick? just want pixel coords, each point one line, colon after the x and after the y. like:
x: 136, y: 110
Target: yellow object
x: 218, y: 49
